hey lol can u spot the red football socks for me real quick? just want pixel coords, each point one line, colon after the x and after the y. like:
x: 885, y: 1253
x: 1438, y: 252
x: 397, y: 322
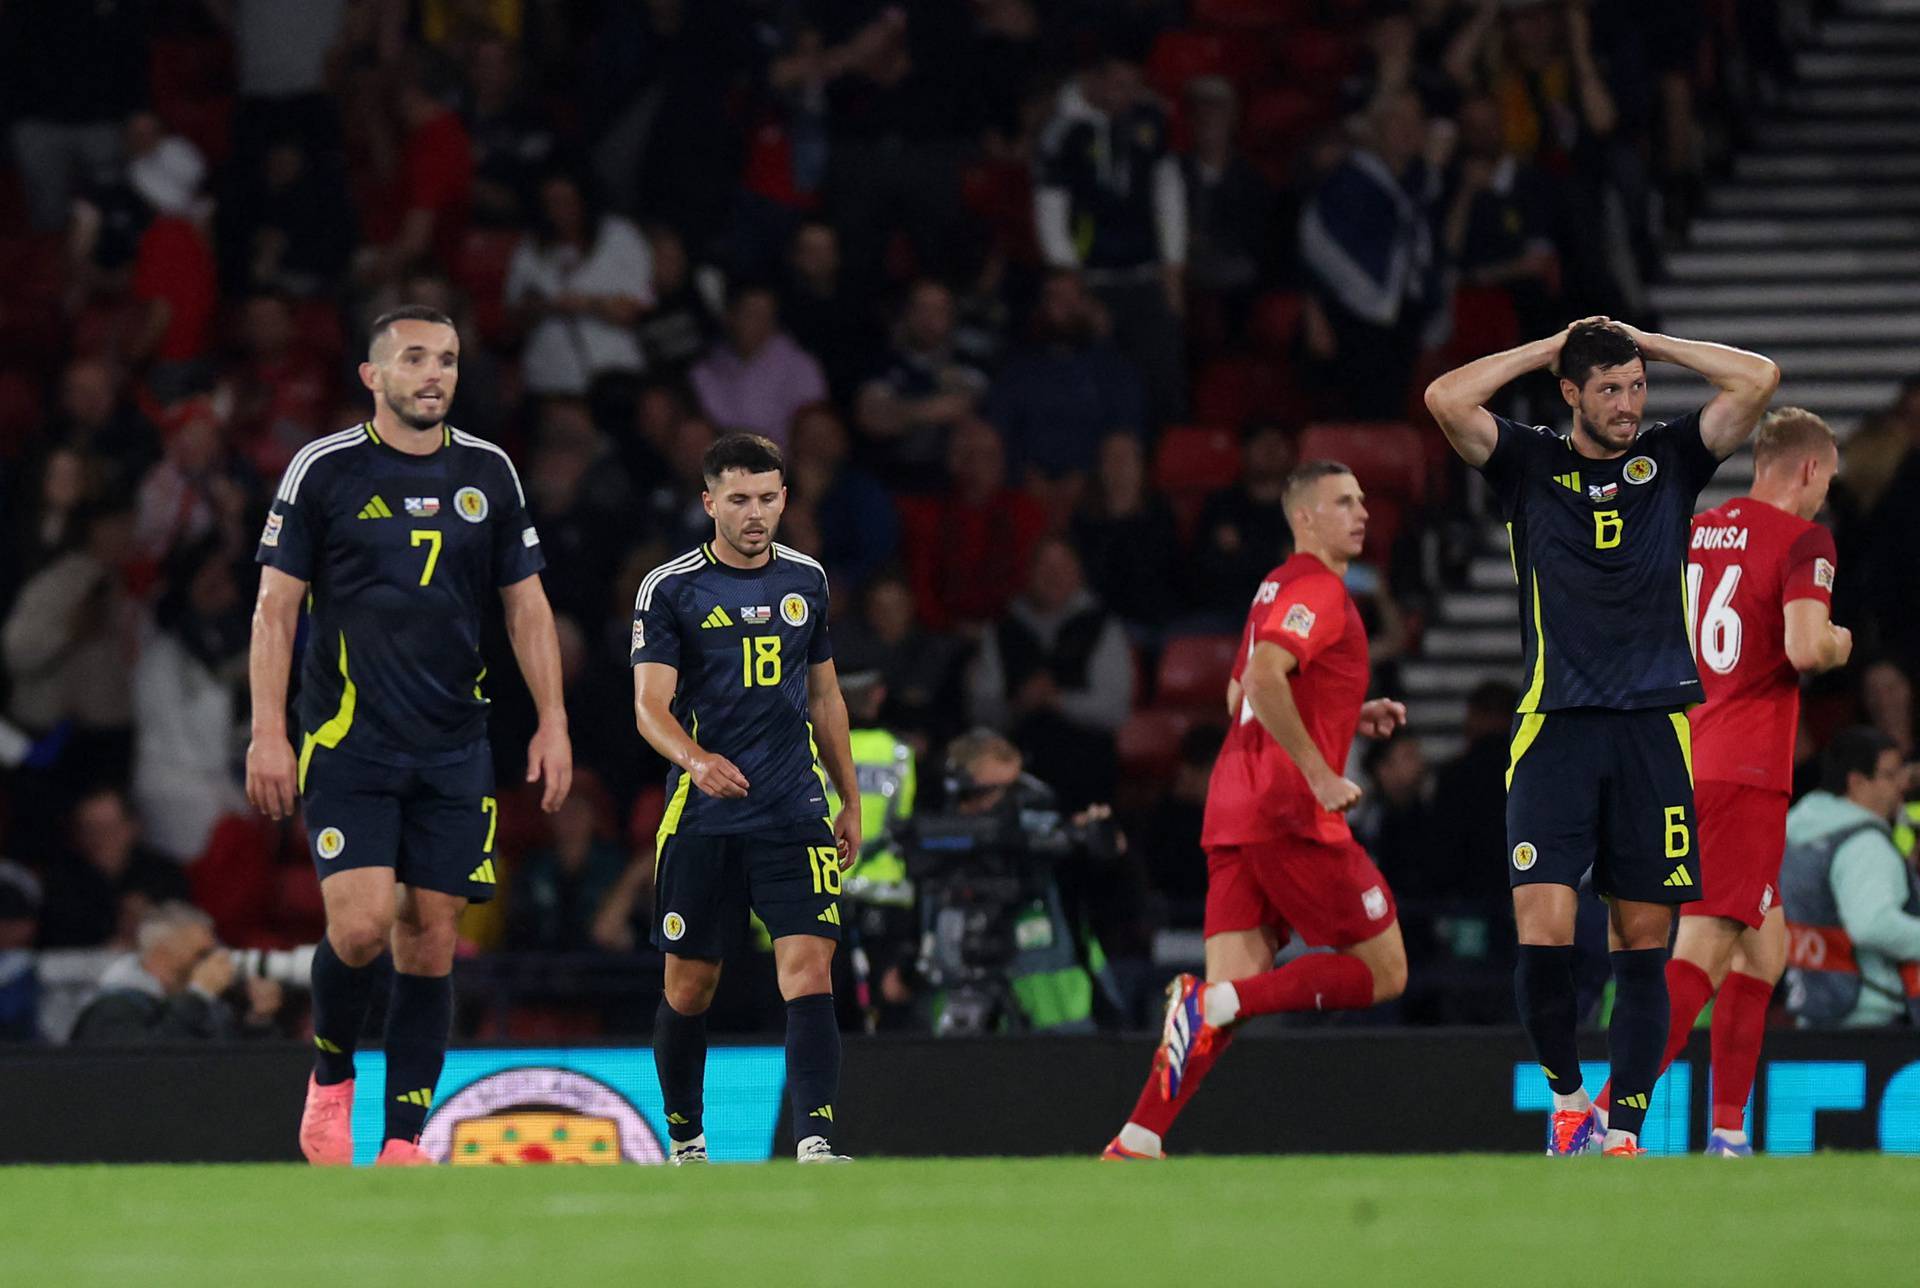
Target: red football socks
x: 1315, y: 982
x: 1154, y: 1111
x: 1739, y: 1026
x: 1688, y: 991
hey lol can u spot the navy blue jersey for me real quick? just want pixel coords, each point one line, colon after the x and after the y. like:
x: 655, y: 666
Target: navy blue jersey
x: 1600, y: 552
x: 401, y: 552
x: 742, y: 640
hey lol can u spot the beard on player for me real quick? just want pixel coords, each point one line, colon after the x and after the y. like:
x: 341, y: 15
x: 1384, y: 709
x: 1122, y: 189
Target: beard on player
x: 749, y: 532
x: 1614, y: 431
x: 424, y: 409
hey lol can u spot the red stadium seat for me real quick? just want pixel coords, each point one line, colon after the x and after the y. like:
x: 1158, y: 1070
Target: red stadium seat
x: 1389, y: 458
x: 1484, y: 321
x: 1178, y: 56
x: 1315, y: 56
x: 1149, y: 743
x: 1275, y: 323
x: 482, y: 273
x: 1194, y: 670
x: 1196, y: 458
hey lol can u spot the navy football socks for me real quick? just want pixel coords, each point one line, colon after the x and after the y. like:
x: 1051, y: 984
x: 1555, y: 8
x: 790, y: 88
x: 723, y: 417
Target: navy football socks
x: 680, y: 1058
x: 813, y: 1064
x: 418, y: 1025
x: 1543, y: 986
x: 1637, y: 1038
x: 342, y: 995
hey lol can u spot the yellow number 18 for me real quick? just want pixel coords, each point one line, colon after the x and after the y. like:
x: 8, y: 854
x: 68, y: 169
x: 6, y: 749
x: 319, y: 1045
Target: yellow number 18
x: 760, y: 661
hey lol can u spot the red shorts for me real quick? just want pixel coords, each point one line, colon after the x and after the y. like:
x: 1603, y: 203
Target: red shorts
x: 1743, y: 835
x: 1329, y: 892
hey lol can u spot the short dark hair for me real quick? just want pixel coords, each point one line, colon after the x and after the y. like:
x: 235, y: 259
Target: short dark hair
x: 405, y: 313
x: 750, y: 452
x: 1309, y: 473
x: 1854, y: 750
x: 1593, y: 345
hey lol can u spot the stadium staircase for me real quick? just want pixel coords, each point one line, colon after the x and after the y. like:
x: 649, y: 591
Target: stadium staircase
x: 1808, y: 251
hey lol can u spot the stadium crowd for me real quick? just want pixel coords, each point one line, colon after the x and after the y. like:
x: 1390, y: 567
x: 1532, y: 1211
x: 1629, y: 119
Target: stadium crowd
x: 1040, y: 297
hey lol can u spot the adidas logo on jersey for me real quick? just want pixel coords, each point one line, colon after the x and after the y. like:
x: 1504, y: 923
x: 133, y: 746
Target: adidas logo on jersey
x: 831, y: 916
x: 484, y: 873
x: 1679, y: 877
x: 1571, y: 482
x: 375, y: 509
x: 718, y: 617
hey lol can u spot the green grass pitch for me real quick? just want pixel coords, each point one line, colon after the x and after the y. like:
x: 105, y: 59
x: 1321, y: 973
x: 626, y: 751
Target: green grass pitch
x: 1469, y: 1220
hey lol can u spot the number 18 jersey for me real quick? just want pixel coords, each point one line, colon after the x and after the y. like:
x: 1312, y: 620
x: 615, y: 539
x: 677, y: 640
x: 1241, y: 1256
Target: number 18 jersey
x: 1747, y: 560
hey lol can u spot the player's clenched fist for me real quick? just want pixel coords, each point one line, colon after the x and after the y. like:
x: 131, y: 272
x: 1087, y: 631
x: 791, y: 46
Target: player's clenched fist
x: 1336, y: 793
x: 273, y: 777
x: 717, y: 776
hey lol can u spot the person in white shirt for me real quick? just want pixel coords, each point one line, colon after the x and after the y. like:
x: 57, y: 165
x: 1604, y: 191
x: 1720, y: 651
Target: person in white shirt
x: 577, y: 285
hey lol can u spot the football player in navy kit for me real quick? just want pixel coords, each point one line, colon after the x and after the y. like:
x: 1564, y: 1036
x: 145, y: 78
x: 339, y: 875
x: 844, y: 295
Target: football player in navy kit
x: 734, y: 685
x: 1600, y: 773
x: 394, y: 533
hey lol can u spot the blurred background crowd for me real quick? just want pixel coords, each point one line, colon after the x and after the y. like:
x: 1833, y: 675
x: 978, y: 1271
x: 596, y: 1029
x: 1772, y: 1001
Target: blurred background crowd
x: 1043, y: 299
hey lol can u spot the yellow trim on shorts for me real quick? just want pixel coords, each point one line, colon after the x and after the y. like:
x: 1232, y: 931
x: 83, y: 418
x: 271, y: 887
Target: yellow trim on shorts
x: 1683, y: 730
x: 1530, y: 726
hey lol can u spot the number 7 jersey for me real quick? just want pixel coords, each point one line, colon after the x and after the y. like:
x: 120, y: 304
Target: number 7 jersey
x: 1748, y: 561
x: 1600, y: 551
x: 742, y: 640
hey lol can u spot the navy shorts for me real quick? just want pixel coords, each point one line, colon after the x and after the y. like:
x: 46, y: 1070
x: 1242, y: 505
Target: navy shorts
x: 1607, y: 790
x: 433, y: 826
x: 705, y: 886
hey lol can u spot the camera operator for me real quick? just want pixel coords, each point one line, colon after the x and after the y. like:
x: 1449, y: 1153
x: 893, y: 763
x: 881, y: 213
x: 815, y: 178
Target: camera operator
x: 1002, y: 944
x: 179, y: 985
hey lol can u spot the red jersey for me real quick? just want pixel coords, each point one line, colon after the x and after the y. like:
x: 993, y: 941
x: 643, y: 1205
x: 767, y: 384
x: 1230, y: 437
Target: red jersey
x: 1747, y: 561
x: 1257, y: 793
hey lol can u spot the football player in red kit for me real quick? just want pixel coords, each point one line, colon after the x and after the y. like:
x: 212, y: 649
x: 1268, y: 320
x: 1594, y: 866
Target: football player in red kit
x: 1280, y: 857
x: 1760, y: 587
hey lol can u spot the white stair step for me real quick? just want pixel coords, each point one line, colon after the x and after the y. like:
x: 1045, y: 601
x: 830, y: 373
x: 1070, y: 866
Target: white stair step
x: 1883, y: 8
x: 1807, y: 297
x: 1796, y: 263
x: 1467, y: 642
x: 1868, y: 34
x: 1826, y: 65
x: 1790, y: 328
x: 1490, y: 572
x: 1825, y: 199
x: 1840, y: 133
x: 1894, y: 362
x: 1433, y: 714
x: 1676, y: 392
x: 1851, y: 99
x: 1430, y: 678
x: 1775, y: 167
x: 1717, y: 231
x: 1489, y: 608
x: 1440, y: 748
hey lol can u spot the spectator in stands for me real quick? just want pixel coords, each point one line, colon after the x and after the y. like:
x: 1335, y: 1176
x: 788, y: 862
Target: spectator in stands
x: 1126, y: 536
x: 175, y: 278
x: 69, y: 641
x: 99, y: 421
x: 825, y: 311
x: 577, y: 284
x: 684, y: 318
x: 282, y: 388
x: 1057, y: 398
x: 19, y: 928
x: 581, y: 505
x: 175, y: 987
x: 1394, y: 820
x: 1844, y: 874
x: 1243, y: 533
x: 1057, y: 673
x: 969, y: 555
x: 1499, y: 222
x: 187, y: 689
x: 1230, y: 207
x: 74, y: 73
x: 1367, y: 240
x: 47, y: 513
x: 671, y: 507
x: 160, y: 176
x: 758, y: 378
x: 1109, y: 201
x: 1169, y: 837
x: 1466, y: 856
x: 1886, y: 698
x: 924, y: 390
x: 558, y: 888
x: 284, y: 222
x: 858, y: 525
x: 919, y: 668
x: 280, y: 53
x: 431, y: 184
x: 512, y: 146
x: 193, y: 492
x: 107, y: 880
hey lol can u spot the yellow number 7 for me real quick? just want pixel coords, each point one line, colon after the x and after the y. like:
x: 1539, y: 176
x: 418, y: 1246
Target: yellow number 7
x: 429, y: 538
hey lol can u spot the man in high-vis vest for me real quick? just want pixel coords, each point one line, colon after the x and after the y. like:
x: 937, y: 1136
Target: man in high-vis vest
x: 1852, y: 903
x: 885, y: 929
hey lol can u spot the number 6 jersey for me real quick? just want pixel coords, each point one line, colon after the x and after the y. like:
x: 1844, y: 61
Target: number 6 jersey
x: 1748, y: 561
x: 1599, y: 551
x: 742, y: 640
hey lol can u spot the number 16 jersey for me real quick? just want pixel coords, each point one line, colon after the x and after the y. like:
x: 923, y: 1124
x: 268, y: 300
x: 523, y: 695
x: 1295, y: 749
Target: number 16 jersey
x: 1600, y: 551
x: 742, y: 640
x: 1749, y: 560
